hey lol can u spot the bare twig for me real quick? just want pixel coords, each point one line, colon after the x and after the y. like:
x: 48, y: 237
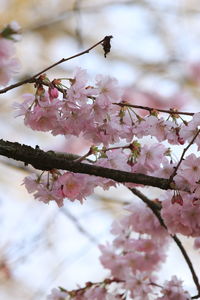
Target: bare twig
x: 182, y: 156
x: 32, y: 78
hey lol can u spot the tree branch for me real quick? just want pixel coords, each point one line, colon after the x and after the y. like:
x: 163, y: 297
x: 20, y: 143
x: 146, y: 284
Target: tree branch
x: 182, y: 156
x: 49, y: 160
x: 151, y: 109
x: 32, y: 78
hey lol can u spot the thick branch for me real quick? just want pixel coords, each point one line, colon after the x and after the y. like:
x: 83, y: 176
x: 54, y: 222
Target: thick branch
x: 50, y: 160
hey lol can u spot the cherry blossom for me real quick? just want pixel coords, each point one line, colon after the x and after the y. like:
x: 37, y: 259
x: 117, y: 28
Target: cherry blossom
x: 173, y: 290
x: 75, y: 186
x: 151, y: 156
x: 140, y: 285
x: 140, y: 243
x: 190, y: 169
x: 121, y: 139
x: 57, y: 295
x: 185, y: 218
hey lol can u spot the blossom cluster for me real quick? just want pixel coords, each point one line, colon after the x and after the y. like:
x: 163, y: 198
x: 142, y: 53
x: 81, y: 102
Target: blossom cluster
x: 133, y: 258
x: 99, y: 114
x: 182, y: 218
x: 117, y: 135
x: 137, y: 251
x: 170, y: 290
x: 57, y: 185
x: 92, y: 112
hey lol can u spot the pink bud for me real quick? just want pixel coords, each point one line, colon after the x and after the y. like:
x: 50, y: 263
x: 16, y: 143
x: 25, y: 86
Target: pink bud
x: 177, y: 199
x: 181, y: 140
x: 53, y: 92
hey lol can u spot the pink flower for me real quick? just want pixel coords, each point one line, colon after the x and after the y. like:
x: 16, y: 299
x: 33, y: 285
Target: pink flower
x: 190, y: 169
x: 57, y: 294
x: 78, y: 91
x: 115, y: 263
x: 71, y: 185
x: 31, y: 183
x: 46, y: 195
x: 39, y: 114
x: 173, y: 290
x: 53, y: 93
x: 95, y: 293
x: 139, y: 285
x: 185, y: 218
x: 130, y: 253
x: 44, y: 188
x: 166, y: 170
x: 151, y: 156
x: 24, y: 108
x: 182, y: 183
x: 144, y: 255
x: 41, y: 118
x: 187, y: 132
x: 152, y: 126
x: 75, y: 186
x: 115, y: 159
x: 109, y: 91
x: 142, y: 220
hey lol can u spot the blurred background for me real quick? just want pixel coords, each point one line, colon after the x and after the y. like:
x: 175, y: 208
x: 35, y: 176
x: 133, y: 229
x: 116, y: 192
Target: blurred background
x: 155, y: 56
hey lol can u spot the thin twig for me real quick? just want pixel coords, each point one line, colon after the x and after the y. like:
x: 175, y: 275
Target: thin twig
x: 155, y: 208
x: 80, y: 291
x: 32, y: 78
x: 151, y: 109
x: 188, y: 261
x: 78, y: 225
x: 182, y: 156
